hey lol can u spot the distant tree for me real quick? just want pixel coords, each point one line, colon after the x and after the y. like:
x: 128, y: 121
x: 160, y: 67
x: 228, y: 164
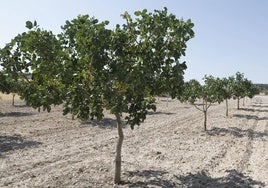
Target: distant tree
x: 238, y: 89
x: 263, y: 88
x: 250, y: 89
x: 227, y: 91
x: 243, y: 87
x: 207, y: 94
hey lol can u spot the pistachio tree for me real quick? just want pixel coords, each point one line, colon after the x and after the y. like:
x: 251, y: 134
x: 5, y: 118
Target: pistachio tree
x: 227, y: 91
x: 89, y: 68
x: 207, y: 94
x: 122, y: 69
x: 250, y: 89
x: 242, y: 87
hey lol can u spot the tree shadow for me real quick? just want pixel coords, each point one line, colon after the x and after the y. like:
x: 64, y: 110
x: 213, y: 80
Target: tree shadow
x: 15, y: 114
x: 21, y: 106
x: 158, y: 178
x: 246, y: 116
x: 251, y: 134
x: 234, y: 179
x: 247, y: 109
x: 154, y: 178
x: 254, y: 117
x: 254, y: 110
x: 105, y: 123
x: 159, y: 112
x: 8, y: 143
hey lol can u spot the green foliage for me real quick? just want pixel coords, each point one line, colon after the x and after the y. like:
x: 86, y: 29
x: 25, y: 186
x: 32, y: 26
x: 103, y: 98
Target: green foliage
x: 121, y: 69
x: 242, y: 87
x: 227, y: 90
x: 191, y: 92
x: 85, y: 76
x: 208, y: 93
x: 89, y: 68
x: 238, y: 86
x: 158, y: 40
x: 213, y: 90
x: 4, y: 84
x: 33, y: 59
x: 7, y: 83
x: 31, y: 25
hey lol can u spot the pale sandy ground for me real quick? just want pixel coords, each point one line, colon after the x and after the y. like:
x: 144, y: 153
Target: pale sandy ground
x: 170, y: 149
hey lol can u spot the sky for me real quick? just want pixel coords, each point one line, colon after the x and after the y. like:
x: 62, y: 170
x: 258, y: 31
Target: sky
x: 230, y: 35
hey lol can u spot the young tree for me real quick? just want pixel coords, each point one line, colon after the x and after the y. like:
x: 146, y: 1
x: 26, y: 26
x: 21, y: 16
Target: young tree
x: 227, y: 91
x: 250, y: 89
x: 243, y: 87
x: 90, y: 68
x: 208, y: 93
x: 238, y: 89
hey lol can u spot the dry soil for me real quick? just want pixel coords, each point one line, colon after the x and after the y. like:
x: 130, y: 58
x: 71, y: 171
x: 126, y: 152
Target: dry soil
x: 170, y: 149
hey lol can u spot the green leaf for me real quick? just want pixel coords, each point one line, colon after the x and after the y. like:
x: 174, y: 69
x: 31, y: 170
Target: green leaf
x: 137, y: 13
x: 29, y: 24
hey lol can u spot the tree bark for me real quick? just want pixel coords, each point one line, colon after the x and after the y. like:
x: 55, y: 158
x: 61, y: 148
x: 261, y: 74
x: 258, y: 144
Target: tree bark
x: 13, y: 99
x: 117, y: 177
x: 238, y: 99
x: 205, y: 120
x: 227, y: 111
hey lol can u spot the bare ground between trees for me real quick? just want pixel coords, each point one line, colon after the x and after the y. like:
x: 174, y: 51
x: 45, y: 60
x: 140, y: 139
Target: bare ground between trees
x: 170, y: 149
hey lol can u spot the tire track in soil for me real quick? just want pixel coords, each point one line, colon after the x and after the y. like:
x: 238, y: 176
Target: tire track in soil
x: 176, y: 127
x: 220, y: 158
x: 266, y: 129
x: 249, y: 147
x: 257, y: 163
x: 152, y: 128
x: 74, y: 157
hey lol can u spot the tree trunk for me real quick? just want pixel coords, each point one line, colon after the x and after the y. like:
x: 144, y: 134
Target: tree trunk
x: 205, y: 120
x: 13, y: 99
x: 238, y: 99
x: 244, y: 101
x: 227, y: 111
x: 117, y: 177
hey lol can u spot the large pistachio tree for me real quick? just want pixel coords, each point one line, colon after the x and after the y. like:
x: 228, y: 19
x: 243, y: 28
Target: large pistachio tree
x: 89, y: 68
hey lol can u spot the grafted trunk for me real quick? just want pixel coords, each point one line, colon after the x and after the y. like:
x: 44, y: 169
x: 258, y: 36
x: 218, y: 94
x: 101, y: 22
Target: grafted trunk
x: 117, y: 177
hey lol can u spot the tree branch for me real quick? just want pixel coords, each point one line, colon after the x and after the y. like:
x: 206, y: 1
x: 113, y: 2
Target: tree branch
x: 195, y: 105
